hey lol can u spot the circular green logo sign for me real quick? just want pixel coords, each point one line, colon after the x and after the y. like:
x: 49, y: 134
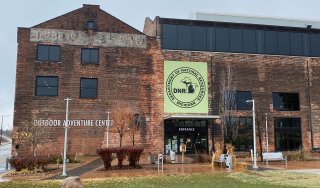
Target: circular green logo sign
x: 185, y: 87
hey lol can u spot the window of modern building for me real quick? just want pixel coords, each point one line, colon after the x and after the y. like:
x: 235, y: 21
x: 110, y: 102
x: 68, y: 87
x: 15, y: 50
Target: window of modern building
x: 286, y: 101
x: 184, y: 37
x: 241, y: 99
x: 199, y: 40
x: 88, y: 88
x: 260, y: 41
x: 90, y: 25
x: 315, y: 44
x: 235, y: 40
x: 306, y: 44
x: 239, y: 39
x: 48, y: 53
x: 211, y: 39
x: 284, y: 43
x: 170, y: 36
x: 222, y: 39
x: 296, y: 44
x: 287, y: 133
x: 270, y: 42
x: 46, y: 86
x: 244, y: 139
x: 249, y: 41
x: 90, y: 55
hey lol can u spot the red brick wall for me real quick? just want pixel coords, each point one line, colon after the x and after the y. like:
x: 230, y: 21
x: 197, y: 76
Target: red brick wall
x: 126, y: 76
x: 77, y: 19
x: 134, y: 77
x: 262, y: 75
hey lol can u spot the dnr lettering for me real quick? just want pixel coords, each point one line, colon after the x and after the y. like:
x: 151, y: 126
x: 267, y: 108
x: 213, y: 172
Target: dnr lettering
x: 185, y: 87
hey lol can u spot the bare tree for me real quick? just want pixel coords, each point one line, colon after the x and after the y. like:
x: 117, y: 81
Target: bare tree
x: 123, y: 118
x: 134, y: 126
x: 260, y: 130
x: 32, y: 136
x: 228, y: 105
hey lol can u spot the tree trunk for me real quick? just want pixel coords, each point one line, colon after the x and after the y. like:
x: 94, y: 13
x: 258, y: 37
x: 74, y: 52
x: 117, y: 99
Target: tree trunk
x: 133, y: 139
x: 120, y: 141
x: 260, y: 137
x: 260, y: 143
x: 34, y: 151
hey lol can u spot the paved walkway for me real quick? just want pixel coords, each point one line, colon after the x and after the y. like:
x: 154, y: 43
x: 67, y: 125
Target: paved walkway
x: 149, y: 170
x: 5, y: 152
x: 78, y: 171
x: 311, y: 167
x: 93, y: 169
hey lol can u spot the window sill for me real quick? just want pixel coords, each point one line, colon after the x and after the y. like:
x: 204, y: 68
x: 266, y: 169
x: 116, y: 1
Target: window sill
x: 40, y: 97
x: 286, y: 110
x: 37, y: 61
x: 89, y: 63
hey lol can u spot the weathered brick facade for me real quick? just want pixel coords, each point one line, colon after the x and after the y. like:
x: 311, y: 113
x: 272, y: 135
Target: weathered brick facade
x: 131, y: 73
x: 126, y: 72
x: 262, y: 75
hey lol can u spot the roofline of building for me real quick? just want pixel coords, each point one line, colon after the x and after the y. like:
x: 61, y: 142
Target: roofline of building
x: 255, y: 19
x: 86, y: 5
x: 234, y: 25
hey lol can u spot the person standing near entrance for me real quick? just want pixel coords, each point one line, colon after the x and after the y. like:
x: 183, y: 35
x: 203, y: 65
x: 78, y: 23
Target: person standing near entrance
x: 225, y: 149
x: 213, y: 149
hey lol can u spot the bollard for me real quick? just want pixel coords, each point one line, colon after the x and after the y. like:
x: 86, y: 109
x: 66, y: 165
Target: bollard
x: 7, y: 163
x: 160, y: 162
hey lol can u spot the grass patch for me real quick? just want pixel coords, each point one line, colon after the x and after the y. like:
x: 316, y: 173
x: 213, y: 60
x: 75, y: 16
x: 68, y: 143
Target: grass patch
x: 279, y: 177
x: 176, y: 181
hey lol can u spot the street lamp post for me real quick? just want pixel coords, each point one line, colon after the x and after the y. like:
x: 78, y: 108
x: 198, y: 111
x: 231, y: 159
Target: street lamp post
x: 1, y: 128
x: 108, y: 124
x: 64, y: 173
x: 267, y: 140
x: 254, y: 135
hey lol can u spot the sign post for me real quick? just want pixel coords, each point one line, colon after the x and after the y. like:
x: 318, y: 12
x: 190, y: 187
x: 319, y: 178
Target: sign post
x: 182, y: 150
x: 108, y: 124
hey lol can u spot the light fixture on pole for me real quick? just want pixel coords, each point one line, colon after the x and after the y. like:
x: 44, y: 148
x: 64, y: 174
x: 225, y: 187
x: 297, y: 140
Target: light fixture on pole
x: 1, y: 128
x: 64, y: 173
x: 254, y: 135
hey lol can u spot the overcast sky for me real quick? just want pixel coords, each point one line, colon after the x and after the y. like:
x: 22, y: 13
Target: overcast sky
x: 21, y: 13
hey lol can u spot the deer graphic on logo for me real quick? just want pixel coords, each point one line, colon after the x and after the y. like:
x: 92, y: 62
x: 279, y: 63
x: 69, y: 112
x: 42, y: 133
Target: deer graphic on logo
x: 191, y: 87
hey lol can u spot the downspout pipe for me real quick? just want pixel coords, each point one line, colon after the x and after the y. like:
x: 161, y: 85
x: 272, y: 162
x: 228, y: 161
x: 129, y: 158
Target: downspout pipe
x: 309, y: 104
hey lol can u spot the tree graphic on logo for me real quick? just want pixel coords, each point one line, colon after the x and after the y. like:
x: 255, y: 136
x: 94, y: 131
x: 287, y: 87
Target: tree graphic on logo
x: 189, y: 85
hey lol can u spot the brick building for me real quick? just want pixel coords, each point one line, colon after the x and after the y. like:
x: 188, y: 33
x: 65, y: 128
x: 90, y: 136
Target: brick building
x: 172, y: 76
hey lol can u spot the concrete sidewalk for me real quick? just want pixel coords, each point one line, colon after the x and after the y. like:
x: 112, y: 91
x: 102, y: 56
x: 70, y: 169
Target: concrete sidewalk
x: 5, y: 152
x: 149, y: 170
x: 93, y: 168
x: 312, y: 167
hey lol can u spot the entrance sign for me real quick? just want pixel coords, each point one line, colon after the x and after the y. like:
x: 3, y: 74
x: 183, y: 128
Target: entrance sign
x: 186, y: 87
x: 186, y: 129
